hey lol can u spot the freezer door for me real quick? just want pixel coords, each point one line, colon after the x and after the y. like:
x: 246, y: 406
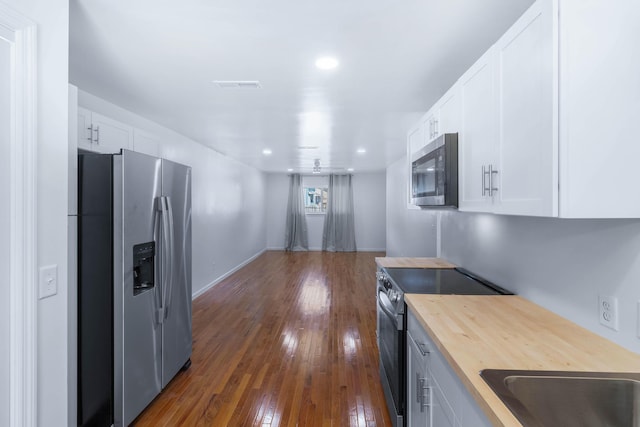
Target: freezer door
x: 137, y: 326
x: 176, y: 332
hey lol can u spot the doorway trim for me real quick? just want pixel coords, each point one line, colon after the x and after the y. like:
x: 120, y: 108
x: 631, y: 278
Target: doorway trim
x: 23, y: 204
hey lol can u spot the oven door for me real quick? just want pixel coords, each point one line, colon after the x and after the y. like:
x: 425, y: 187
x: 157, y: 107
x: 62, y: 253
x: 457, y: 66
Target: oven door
x: 391, y: 345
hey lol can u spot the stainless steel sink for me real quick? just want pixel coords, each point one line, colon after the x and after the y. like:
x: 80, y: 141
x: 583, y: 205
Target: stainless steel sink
x: 568, y: 399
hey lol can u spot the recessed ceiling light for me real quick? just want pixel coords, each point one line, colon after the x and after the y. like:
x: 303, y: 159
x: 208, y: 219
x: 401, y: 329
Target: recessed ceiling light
x: 266, y: 152
x: 326, y: 63
x: 289, y: 170
x: 361, y: 151
x: 349, y: 169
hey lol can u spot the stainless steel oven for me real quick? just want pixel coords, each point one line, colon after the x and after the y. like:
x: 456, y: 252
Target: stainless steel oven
x: 391, y: 285
x: 391, y: 344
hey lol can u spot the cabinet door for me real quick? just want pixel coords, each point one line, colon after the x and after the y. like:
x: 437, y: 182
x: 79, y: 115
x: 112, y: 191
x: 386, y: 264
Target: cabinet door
x: 600, y: 98
x: 477, y: 139
x: 442, y: 414
x: 450, y: 111
x: 430, y: 125
x: 85, y: 133
x: 415, y: 139
x: 526, y: 62
x: 111, y: 135
x: 418, y: 400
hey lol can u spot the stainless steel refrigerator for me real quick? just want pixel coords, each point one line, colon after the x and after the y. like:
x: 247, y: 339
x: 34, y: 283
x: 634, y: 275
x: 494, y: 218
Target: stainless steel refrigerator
x: 134, y: 282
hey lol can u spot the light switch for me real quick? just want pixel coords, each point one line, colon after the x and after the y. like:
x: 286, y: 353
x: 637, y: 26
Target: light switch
x: 48, y: 283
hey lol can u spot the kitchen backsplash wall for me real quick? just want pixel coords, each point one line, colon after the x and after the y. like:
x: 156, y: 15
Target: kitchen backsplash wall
x: 561, y: 264
x: 410, y: 232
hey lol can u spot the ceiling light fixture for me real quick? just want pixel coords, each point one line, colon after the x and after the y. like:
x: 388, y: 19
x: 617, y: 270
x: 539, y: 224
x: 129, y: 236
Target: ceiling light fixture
x: 361, y: 151
x: 266, y: 152
x: 289, y: 170
x: 316, y: 166
x: 326, y: 63
x: 349, y: 169
x: 237, y: 84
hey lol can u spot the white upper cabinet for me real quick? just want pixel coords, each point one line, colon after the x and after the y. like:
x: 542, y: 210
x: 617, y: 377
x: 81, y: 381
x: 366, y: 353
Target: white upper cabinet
x: 599, y: 108
x: 443, y: 117
x: 508, y: 154
x: 526, y: 70
x: 477, y: 137
x: 431, y: 124
x: 415, y: 138
x: 102, y: 134
x: 549, y: 115
x: 450, y: 111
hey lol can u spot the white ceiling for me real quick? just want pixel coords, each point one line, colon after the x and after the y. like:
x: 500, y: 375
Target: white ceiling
x: 158, y: 58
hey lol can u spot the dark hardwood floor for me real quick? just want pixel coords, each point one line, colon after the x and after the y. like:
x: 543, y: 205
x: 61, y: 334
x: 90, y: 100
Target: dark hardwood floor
x: 289, y: 340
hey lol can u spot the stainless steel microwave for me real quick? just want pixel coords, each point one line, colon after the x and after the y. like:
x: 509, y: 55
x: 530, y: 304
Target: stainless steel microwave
x: 434, y: 173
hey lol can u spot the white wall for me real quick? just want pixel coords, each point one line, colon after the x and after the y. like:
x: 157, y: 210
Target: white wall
x: 228, y: 198
x: 277, y: 195
x: 368, y: 204
x: 410, y: 232
x: 369, y: 201
x: 52, y: 20
x: 5, y: 222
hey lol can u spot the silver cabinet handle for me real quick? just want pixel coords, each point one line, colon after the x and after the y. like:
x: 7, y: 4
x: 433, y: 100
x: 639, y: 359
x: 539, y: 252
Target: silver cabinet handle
x: 492, y: 189
x: 423, y: 348
x: 484, y: 186
x: 90, y: 129
x: 418, y: 387
x: 97, y: 131
x: 486, y: 171
x: 424, y: 394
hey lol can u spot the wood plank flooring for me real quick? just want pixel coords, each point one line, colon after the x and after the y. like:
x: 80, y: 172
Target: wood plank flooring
x: 289, y: 340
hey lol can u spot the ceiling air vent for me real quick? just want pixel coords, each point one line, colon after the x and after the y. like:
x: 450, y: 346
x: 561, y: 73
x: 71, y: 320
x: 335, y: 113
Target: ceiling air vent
x: 238, y: 84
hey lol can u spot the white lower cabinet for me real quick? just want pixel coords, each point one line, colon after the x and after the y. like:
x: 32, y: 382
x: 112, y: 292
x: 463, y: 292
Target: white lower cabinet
x: 435, y: 395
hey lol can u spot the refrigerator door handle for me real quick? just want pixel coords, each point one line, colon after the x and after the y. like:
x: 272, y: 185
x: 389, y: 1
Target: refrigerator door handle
x: 159, y: 265
x: 166, y: 257
x: 171, y: 258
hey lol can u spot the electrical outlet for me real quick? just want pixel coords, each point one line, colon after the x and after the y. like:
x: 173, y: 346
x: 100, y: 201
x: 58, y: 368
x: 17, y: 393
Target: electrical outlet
x: 608, y: 311
x: 48, y: 283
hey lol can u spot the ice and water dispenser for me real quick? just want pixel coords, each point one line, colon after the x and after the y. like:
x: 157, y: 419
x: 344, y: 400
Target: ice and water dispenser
x: 144, y: 256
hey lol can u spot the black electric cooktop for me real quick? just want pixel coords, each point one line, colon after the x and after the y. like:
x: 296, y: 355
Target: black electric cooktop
x: 442, y: 281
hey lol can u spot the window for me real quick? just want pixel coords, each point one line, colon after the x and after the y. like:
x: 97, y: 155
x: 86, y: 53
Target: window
x: 315, y: 199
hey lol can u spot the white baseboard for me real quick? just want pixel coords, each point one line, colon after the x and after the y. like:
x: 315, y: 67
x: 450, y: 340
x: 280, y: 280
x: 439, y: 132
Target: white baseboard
x: 225, y: 275
x: 281, y: 248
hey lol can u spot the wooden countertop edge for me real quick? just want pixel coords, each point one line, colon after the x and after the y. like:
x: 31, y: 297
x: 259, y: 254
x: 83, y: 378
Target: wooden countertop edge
x: 489, y: 402
x: 413, y: 262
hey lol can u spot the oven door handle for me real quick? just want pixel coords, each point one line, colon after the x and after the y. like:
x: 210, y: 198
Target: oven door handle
x: 384, y: 303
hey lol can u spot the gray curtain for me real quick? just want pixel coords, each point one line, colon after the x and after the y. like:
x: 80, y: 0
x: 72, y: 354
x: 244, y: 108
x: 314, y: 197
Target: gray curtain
x: 339, y: 233
x: 295, y: 237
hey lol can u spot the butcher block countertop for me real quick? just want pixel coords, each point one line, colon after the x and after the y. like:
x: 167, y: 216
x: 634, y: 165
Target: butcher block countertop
x: 510, y: 332
x: 391, y: 262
